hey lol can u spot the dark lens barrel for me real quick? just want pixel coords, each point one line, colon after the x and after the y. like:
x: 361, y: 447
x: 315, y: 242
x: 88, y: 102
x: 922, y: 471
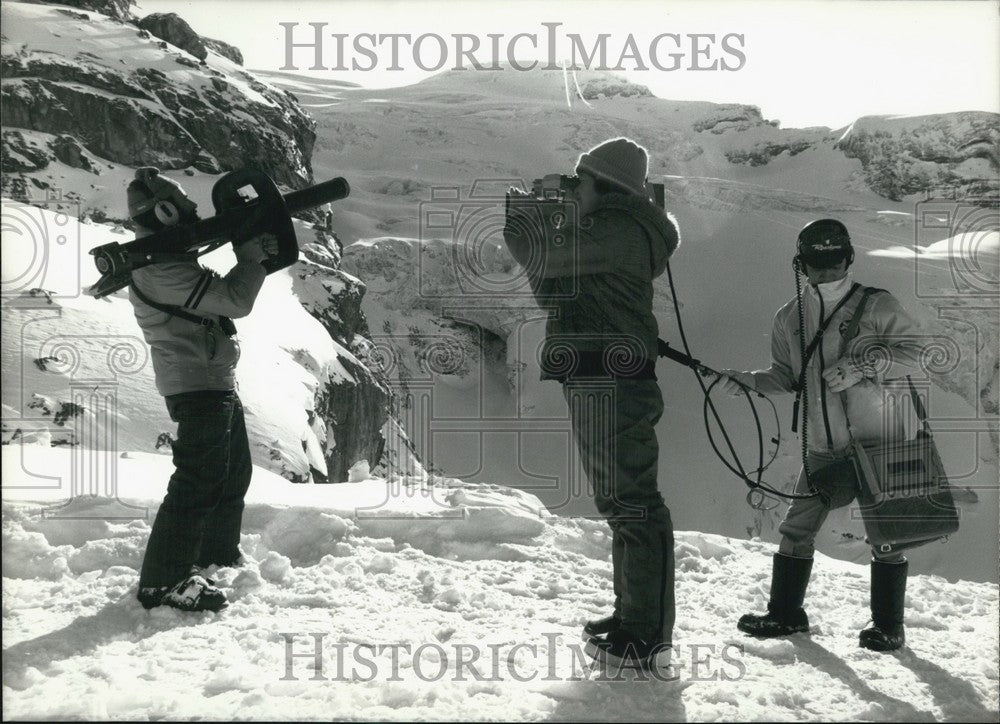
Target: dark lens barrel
x: 108, y: 258
x: 332, y: 190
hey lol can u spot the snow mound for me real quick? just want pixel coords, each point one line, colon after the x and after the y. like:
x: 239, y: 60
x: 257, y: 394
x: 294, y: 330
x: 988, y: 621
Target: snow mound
x: 356, y: 597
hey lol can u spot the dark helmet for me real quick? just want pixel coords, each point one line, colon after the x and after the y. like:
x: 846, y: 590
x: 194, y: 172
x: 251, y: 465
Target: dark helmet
x: 824, y: 243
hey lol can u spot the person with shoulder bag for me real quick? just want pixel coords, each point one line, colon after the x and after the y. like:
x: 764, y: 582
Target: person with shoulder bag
x: 842, y: 398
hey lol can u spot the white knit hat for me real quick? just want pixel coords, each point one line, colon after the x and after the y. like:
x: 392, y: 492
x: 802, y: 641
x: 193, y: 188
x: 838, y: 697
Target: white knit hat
x: 620, y: 161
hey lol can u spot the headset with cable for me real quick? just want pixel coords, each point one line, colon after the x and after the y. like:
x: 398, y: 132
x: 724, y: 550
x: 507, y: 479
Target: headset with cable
x: 165, y: 205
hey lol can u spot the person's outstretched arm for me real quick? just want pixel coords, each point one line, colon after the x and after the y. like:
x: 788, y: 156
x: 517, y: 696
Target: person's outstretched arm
x: 202, y: 290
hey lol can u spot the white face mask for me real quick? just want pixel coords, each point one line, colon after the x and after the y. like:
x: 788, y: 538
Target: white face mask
x: 833, y: 292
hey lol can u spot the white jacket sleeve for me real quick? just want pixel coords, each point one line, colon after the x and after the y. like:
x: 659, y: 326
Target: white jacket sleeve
x: 203, y: 291
x: 779, y: 377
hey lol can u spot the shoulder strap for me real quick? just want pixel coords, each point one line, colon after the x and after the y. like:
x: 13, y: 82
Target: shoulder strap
x: 799, y: 385
x: 918, y: 406
x: 175, y: 310
x: 852, y: 327
x: 822, y: 329
x: 849, y: 334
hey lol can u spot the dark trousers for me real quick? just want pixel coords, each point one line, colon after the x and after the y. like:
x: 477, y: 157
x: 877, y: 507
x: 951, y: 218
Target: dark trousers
x: 614, y: 430
x: 198, y: 522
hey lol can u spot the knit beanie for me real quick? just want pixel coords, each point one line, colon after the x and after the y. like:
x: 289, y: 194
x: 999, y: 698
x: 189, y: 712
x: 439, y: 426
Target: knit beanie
x: 620, y: 161
x: 149, y: 188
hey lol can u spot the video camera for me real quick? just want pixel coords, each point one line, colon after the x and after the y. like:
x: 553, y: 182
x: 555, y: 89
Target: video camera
x: 247, y: 204
x: 557, y: 187
x: 554, y: 187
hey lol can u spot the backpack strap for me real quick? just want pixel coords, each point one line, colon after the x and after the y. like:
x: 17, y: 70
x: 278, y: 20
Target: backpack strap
x: 918, y: 406
x: 852, y: 327
x: 849, y: 334
x: 176, y: 310
x: 799, y: 385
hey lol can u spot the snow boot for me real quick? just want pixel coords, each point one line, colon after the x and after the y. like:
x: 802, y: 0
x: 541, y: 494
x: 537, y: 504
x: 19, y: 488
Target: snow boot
x: 238, y: 560
x: 194, y: 593
x: 785, y: 615
x: 887, y: 597
x: 624, y: 650
x: 151, y: 596
x: 601, y: 627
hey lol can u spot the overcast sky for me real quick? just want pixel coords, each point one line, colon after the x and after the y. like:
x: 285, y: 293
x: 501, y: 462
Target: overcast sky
x: 805, y: 63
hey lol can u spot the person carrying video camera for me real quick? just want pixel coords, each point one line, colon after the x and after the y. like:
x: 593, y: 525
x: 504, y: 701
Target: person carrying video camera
x: 594, y: 273
x: 828, y: 306
x: 185, y: 312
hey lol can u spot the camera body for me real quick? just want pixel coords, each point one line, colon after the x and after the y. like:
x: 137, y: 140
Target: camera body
x: 554, y: 187
x: 557, y: 187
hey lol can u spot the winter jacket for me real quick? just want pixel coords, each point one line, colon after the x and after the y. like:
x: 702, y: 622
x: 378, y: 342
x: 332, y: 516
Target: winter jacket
x: 595, y: 277
x: 188, y: 356
x: 886, y: 334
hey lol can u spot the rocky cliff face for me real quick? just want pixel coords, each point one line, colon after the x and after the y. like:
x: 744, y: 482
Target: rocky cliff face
x: 161, y: 95
x: 130, y: 98
x: 355, y: 411
x: 902, y: 156
x: 437, y: 322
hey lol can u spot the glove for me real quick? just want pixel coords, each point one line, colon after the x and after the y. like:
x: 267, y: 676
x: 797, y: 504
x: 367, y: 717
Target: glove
x: 257, y: 249
x: 845, y: 374
x: 731, y: 381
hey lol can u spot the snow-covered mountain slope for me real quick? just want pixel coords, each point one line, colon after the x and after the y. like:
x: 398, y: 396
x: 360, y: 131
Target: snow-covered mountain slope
x: 314, y: 409
x: 443, y: 600
x: 92, y: 92
x: 457, y: 127
x: 466, y: 358
x: 452, y: 143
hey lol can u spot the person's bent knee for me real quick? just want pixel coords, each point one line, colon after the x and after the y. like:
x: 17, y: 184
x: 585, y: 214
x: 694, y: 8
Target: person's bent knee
x: 796, y: 549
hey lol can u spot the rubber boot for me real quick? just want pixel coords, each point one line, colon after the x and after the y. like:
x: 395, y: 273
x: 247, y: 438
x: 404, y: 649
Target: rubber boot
x: 601, y: 627
x: 785, y: 615
x: 887, y: 598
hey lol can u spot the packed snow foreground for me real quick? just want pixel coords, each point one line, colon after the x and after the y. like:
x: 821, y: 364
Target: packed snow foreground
x: 430, y: 598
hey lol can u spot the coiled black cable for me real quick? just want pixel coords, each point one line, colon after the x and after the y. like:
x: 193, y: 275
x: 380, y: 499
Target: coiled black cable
x: 757, y: 486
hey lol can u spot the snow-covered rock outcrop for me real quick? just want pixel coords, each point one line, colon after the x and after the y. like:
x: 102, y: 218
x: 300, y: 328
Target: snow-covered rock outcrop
x: 357, y: 410
x: 127, y: 97
x: 433, y: 317
x: 77, y: 372
x: 912, y: 154
x: 87, y: 96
